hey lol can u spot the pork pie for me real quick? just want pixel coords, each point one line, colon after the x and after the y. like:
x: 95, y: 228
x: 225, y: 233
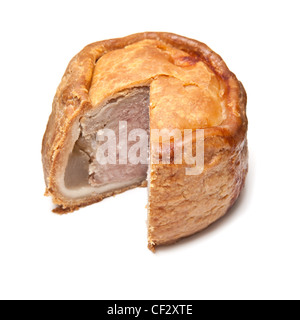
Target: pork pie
x: 149, y: 81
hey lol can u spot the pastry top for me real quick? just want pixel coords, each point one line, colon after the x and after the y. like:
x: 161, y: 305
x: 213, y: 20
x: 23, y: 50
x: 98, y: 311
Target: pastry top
x: 180, y: 84
x: 191, y: 87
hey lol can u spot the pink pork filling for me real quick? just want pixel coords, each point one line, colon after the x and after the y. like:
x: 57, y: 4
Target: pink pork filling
x: 83, y: 167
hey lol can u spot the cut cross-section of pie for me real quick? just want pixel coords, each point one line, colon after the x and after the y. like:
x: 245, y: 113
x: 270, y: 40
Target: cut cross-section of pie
x: 146, y: 83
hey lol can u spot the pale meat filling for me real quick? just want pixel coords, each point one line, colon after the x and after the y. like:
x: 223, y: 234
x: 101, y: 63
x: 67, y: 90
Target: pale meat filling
x: 83, y: 169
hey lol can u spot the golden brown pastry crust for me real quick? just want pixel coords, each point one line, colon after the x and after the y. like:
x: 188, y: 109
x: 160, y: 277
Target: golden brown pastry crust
x: 225, y: 136
x: 181, y: 205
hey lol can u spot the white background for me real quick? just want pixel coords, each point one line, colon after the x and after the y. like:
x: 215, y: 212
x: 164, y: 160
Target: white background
x: 100, y: 252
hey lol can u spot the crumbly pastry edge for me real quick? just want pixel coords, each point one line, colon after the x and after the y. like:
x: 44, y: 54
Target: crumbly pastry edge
x: 225, y: 170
